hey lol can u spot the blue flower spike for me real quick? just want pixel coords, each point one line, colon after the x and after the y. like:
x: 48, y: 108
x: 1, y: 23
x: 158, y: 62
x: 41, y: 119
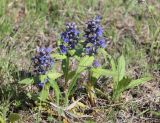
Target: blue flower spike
x: 42, y: 61
x: 70, y: 38
x: 94, y: 36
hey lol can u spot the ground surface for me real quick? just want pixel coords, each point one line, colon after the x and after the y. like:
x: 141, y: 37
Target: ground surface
x: 132, y: 27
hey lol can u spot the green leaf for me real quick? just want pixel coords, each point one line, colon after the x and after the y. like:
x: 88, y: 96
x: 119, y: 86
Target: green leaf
x: 27, y: 81
x: 71, y: 74
x: 72, y: 84
x: 55, y: 86
x: 14, y: 117
x: 84, y: 63
x: 97, y: 72
x: 113, y: 64
x: 104, y: 53
x: 54, y: 75
x: 44, y: 92
x: 43, y: 78
x: 121, y: 67
x: 77, y: 58
x: 137, y: 82
x: 58, y: 56
x: 71, y: 52
x: 95, y: 75
x: 121, y: 86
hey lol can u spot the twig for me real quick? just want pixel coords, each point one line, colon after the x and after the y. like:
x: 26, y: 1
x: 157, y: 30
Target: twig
x: 73, y: 104
x: 65, y: 111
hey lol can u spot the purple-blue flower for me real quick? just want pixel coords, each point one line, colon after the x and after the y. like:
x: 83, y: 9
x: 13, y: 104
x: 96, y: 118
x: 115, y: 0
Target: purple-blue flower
x: 102, y: 43
x: 41, y: 84
x: 99, y: 31
x: 70, y: 38
x: 63, y: 49
x: 94, y: 36
x: 89, y: 50
x: 42, y: 61
x: 96, y: 63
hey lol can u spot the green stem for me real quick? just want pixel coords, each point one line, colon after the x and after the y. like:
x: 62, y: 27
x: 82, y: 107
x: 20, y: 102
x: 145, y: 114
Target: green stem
x: 66, y: 79
x: 90, y: 90
x: 66, y: 99
x: 66, y: 73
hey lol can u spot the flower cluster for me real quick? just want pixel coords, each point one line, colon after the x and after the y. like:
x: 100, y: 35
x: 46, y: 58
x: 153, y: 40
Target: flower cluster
x: 42, y: 61
x: 94, y: 36
x: 41, y: 84
x: 96, y: 63
x: 70, y: 38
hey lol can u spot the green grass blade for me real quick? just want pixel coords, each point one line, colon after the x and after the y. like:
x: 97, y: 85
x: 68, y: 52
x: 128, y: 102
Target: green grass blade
x: 72, y: 84
x: 55, y: 86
